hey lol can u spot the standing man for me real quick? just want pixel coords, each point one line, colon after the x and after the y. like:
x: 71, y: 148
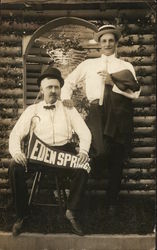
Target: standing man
x: 53, y: 125
x: 110, y: 85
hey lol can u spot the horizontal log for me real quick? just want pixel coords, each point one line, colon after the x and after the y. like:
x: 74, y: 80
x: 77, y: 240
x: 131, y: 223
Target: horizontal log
x: 6, y: 191
x: 145, y: 70
x: 11, y: 71
x: 137, y: 39
x: 86, y: 40
x: 136, y: 152
x: 10, y: 112
x: 15, y: 82
x: 147, y: 90
x: 138, y: 174
x: 7, y: 121
x: 135, y: 28
x: 142, y: 72
x: 138, y: 142
x: 144, y: 111
x: 11, y: 93
x: 4, y: 183
x: 16, y: 61
x: 129, y: 185
x: 129, y: 193
x: 144, y: 142
x: 7, y: 81
x: 33, y: 87
x: 146, y: 80
x: 141, y: 101
x: 33, y: 75
x: 143, y: 80
x: 7, y: 102
x: 33, y: 68
x: 132, y: 162
x: 132, y: 174
x: 144, y: 121
x: 135, y: 50
x: 144, y: 132
x: 5, y: 153
x: 141, y: 163
x: 121, y: 52
x: 139, y: 60
x: 10, y: 51
x: 4, y: 135
x: 11, y: 39
x: 143, y: 151
x: 109, y: 14
x: 38, y: 59
x: 102, y: 184
x: 3, y: 171
x: 144, y: 101
x: 23, y: 26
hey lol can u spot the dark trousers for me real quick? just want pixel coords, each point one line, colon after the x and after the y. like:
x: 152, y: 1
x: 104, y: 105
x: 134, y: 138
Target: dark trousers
x: 114, y: 158
x: 17, y: 176
x: 106, y: 153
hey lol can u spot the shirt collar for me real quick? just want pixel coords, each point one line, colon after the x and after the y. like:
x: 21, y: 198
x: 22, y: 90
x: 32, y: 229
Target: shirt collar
x: 49, y: 104
x: 108, y: 58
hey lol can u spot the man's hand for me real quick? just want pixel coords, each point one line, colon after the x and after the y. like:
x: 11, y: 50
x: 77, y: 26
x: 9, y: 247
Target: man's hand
x: 20, y: 158
x: 106, y: 77
x: 83, y: 158
x: 68, y: 103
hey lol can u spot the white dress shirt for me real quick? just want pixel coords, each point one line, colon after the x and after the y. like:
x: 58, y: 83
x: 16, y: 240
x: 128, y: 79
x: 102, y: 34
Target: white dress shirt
x: 54, y: 127
x: 88, y: 71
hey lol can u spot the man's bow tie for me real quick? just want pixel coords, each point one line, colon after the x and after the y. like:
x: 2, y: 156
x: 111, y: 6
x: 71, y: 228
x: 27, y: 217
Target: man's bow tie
x: 49, y: 107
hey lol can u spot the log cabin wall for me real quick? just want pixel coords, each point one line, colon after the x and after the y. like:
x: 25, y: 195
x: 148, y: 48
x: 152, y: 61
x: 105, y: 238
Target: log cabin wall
x: 137, y: 45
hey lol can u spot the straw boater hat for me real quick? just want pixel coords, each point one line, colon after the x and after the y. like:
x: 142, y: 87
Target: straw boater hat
x: 51, y: 73
x: 107, y: 28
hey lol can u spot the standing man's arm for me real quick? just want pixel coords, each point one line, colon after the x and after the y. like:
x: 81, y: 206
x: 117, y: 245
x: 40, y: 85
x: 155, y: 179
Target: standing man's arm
x: 70, y: 82
x: 20, y: 130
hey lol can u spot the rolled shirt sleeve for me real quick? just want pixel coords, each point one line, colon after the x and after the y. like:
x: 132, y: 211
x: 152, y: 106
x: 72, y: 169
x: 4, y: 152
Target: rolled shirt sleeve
x: 20, y: 130
x: 72, y: 79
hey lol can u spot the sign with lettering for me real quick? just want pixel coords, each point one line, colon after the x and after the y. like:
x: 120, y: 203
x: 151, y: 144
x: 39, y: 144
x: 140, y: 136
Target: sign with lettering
x: 39, y: 152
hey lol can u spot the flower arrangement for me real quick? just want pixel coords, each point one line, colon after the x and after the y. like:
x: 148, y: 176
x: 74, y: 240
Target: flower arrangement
x: 60, y: 47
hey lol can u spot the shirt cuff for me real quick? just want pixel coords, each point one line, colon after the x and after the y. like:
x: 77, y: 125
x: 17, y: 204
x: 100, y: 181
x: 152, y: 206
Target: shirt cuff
x: 15, y: 152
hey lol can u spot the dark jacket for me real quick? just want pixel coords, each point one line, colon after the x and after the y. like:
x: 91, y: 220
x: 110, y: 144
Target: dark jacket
x: 118, y: 109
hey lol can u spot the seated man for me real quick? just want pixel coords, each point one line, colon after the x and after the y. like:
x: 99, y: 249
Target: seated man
x: 54, y: 125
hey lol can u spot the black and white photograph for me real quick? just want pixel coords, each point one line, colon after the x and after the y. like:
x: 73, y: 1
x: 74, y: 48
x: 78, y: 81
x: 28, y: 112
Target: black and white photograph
x: 78, y: 125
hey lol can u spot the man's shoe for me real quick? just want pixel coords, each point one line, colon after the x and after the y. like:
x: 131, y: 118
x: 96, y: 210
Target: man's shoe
x: 76, y: 228
x: 16, y: 230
